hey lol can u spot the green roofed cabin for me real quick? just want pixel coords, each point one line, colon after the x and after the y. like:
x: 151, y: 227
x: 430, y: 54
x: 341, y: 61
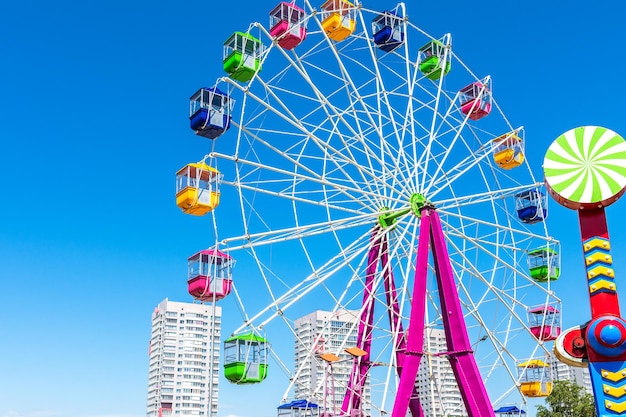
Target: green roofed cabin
x: 245, y: 358
x: 434, y: 62
x: 544, y: 265
x: 242, y: 56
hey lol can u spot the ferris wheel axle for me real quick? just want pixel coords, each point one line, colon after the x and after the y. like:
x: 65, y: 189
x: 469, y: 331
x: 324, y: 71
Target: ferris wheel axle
x: 417, y: 203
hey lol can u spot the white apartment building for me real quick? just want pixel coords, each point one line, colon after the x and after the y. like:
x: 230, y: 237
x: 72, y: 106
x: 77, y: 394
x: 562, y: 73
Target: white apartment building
x: 184, y: 360
x: 437, y: 388
x: 564, y: 372
x: 323, y: 332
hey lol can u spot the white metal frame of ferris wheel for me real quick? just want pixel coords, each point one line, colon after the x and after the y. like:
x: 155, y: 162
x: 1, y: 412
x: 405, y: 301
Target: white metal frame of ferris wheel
x: 366, y: 162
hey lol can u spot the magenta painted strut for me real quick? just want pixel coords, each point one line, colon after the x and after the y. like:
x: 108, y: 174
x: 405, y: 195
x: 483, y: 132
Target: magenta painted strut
x: 358, y: 376
x: 459, y: 353
x: 352, y: 400
x: 409, y: 347
x: 395, y: 325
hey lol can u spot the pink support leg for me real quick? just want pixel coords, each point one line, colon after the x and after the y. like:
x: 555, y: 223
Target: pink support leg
x: 415, y: 337
x: 459, y: 352
x: 395, y: 324
x: 352, y: 400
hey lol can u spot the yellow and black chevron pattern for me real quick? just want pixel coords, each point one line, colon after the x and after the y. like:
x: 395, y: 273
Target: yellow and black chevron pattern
x: 614, y: 390
x: 600, y: 275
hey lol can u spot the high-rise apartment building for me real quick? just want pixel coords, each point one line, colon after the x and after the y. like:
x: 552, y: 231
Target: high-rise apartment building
x: 184, y: 360
x: 322, y: 332
x: 437, y: 387
x: 564, y: 372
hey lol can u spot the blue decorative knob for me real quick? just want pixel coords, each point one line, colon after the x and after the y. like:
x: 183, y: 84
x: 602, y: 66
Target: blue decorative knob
x: 607, y: 336
x: 610, y: 335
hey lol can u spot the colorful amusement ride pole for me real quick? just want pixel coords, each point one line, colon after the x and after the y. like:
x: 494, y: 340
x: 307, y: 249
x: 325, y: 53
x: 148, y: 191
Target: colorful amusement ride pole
x: 585, y: 170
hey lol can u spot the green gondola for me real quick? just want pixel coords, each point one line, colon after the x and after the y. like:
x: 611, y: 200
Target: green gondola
x: 434, y: 62
x: 242, y: 56
x: 245, y: 358
x: 544, y: 264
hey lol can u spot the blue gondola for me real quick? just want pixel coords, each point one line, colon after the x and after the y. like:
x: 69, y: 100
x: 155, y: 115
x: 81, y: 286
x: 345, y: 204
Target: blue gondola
x: 299, y: 408
x: 210, y: 112
x: 509, y: 411
x: 388, y: 30
x: 531, y: 206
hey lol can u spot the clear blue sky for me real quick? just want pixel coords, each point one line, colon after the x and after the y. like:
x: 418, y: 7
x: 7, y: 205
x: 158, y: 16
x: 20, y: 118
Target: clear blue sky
x: 93, y: 126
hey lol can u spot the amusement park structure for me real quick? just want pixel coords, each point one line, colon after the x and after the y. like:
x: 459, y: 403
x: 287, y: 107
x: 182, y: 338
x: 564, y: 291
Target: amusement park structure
x: 373, y: 172
x: 585, y: 170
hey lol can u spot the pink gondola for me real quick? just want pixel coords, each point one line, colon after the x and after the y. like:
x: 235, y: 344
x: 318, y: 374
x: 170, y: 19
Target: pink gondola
x: 475, y: 104
x: 287, y: 24
x: 545, y: 322
x: 209, y: 275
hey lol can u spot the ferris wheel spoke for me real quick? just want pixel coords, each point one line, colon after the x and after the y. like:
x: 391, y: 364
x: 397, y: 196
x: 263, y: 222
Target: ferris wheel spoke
x: 497, y: 194
x: 357, y: 101
x: 288, y: 196
x: 326, y: 180
x: 334, y: 154
x: 459, y: 171
x: 312, y: 282
x: 439, y: 160
x: 427, y: 156
x: 495, y: 105
x: 280, y: 304
x: 283, y: 185
x: 496, y: 226
x: 488, y: 239
x: 299, y: 232
x: 391, y: 157
x: 504, y: 357
x: 382, y: 107
x: 332, y: 113
x: 502, y: 294
x: 502, y: 297
x: 468, y: 266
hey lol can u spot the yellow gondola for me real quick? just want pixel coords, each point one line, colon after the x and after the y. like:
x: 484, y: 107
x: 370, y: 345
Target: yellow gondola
x: 338, y: 19
x: 535, y: 380
x: 197, y: 188
x: 508, y: 150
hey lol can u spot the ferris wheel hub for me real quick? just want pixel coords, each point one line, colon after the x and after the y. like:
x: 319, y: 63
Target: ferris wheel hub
x: 417, y: 202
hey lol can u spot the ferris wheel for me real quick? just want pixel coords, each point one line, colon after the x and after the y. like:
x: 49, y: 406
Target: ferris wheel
x: 359, y: 167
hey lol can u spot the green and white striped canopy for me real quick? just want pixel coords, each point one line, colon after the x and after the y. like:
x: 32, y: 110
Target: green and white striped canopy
x: 586, y: 167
